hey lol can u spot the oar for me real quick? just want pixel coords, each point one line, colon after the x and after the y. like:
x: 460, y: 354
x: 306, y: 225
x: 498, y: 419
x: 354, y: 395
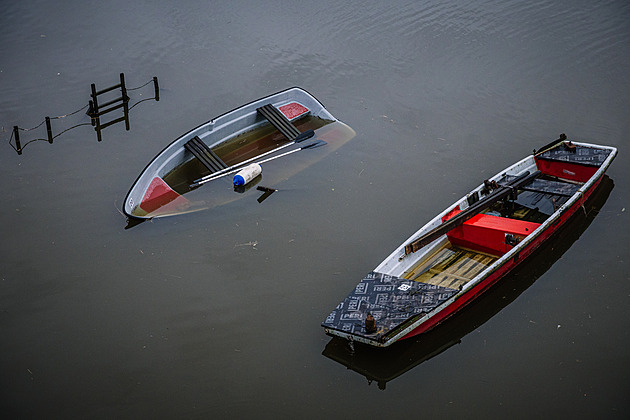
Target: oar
x: 475, y: 208
x: 563, y: 137
x: 238, y: 167
x: 303, y: 136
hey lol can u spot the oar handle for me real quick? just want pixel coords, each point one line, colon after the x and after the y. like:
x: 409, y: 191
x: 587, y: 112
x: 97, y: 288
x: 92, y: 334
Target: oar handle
x: 300, y: 138
x: 228, y: 170
x: 472, y: 210
x: 236, y: 168
x: 562, y: 137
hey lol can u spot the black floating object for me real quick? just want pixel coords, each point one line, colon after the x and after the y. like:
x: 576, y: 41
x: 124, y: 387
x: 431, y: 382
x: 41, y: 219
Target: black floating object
x: 267, y: 192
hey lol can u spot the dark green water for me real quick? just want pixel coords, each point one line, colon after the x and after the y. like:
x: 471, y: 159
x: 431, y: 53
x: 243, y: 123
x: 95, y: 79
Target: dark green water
x: 217, y: 314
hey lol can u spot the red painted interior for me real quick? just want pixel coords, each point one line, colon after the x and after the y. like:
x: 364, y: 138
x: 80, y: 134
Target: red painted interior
x: 486, y: 233
x: 566, y: 170
x: 157, y: 195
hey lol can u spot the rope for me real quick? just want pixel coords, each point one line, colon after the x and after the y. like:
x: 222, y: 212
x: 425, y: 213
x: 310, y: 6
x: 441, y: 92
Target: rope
x: 140, y: 101
x: 11, y: 138
x: 54, y: 118
x: 140, y: 87
x: 68, y: 129
x: 34, y: 128
x: 68, y: 115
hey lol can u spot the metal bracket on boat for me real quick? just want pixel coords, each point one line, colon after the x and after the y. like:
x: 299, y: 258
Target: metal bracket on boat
x: 511, y: 239
x: 562, y: 137
x: 570, y: 146
x: 370, y: 324
x: 489, y: 186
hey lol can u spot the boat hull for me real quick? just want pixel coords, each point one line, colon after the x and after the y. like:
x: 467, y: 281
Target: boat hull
x: 503, y: 269
x: 402, y: 261
x: 382, y: 365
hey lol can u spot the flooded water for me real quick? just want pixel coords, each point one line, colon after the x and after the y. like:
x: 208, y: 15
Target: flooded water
x: 216, y: 314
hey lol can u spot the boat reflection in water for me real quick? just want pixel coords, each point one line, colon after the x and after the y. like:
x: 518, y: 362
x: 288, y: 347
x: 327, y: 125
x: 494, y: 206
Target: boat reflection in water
x: 385, y: 364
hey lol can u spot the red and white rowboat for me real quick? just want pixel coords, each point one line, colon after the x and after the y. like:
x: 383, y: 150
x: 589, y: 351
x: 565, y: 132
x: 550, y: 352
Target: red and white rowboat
x: 471, y: 245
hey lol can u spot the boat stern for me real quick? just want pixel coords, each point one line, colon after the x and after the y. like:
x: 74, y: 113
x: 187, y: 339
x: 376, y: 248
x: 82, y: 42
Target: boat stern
x: 379, y: 308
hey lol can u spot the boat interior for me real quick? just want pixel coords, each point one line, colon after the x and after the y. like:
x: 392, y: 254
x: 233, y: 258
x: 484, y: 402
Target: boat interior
x: 468, y: 249
x: 260, y: 139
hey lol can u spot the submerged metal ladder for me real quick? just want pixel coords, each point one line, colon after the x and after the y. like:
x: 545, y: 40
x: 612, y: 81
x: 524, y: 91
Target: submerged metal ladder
x: 206, y: 156
x: 95, y: 110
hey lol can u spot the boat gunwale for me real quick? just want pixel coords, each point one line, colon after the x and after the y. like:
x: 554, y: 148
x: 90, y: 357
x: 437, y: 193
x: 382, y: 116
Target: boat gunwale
x: 399, y: 254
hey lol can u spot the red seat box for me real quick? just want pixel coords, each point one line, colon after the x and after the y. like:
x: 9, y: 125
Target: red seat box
x: 489, y: 234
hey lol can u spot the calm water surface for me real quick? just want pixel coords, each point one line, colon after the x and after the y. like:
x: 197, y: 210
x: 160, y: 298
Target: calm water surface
x: 217, y: 314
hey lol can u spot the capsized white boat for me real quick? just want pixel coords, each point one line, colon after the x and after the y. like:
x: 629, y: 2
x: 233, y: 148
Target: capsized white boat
x: 261, y: 131
x: 471, y: 245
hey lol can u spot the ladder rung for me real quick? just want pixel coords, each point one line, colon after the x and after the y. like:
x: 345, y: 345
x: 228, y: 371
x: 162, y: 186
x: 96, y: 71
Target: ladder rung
x: 101, y: 111
x: 109, y: 89
x: 113, y: 101
x: 112, y: 122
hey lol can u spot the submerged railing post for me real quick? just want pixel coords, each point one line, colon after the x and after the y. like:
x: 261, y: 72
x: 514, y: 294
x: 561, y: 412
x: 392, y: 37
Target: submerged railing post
x: 98, y: 133
x: 95, y: 111
x: 96, y: 121
x: 91, y: 111
x: 157, y: 88
x: 16, y: 134
x: 94, y: 104
x: 125, y: 100
x: 49, y: 130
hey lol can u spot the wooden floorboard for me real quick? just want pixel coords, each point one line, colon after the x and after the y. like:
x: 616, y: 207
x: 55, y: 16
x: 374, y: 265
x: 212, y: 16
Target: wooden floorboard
x: 450, y: 267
